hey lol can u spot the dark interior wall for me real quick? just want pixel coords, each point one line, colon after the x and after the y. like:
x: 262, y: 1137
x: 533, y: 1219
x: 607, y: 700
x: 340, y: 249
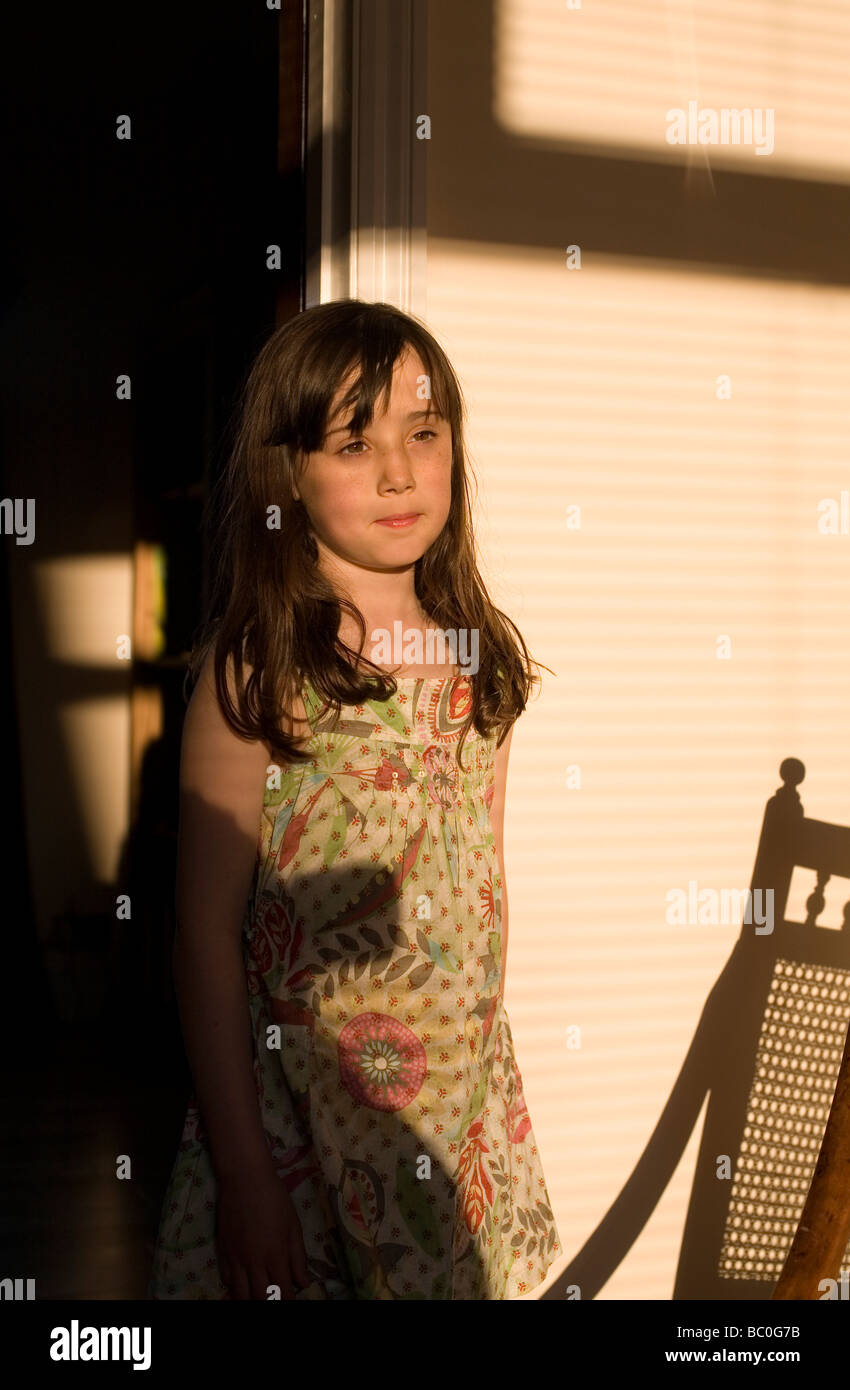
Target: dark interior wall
x: 146, y: 257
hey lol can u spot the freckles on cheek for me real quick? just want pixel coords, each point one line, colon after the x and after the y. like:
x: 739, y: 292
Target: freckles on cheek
x: 348, y: 501
x: 342, y: 502
x: 331, y: 490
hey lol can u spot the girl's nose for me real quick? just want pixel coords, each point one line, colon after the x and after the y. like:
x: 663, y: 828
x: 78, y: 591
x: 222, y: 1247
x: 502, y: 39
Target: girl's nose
x: 396, y: 470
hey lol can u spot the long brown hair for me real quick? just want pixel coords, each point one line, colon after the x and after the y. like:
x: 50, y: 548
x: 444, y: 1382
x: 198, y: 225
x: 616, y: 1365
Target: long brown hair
x: 270, y: 605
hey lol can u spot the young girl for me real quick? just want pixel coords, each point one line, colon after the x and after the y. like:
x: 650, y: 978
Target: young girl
x: 358, y: 1128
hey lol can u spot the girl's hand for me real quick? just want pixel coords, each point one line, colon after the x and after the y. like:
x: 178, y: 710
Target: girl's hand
x: 259, y: 1237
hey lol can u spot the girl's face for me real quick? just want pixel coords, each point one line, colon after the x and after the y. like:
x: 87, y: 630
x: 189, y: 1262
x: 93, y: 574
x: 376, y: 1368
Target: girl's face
x: 399, y: 464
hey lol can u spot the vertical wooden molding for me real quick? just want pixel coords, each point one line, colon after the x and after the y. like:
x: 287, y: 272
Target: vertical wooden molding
x: 366, y: 169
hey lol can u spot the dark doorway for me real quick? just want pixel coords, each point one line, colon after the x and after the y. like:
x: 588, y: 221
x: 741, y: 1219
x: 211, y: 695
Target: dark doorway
x: 145, y: 258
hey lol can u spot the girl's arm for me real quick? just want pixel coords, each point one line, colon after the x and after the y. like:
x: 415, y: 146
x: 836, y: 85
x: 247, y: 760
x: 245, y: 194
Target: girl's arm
x: 222, y: 780
x: 259, y: 1239
x: 497, y: 821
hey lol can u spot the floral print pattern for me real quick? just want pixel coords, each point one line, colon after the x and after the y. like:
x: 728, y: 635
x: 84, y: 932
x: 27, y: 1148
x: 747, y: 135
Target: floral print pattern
x: 383, y: 1058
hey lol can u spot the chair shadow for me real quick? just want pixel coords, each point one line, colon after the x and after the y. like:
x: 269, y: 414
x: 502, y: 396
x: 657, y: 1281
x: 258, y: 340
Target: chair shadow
x: 766, y: 1052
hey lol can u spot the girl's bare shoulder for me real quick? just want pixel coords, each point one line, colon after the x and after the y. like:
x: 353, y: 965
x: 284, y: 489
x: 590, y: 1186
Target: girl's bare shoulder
x: 205, y: 709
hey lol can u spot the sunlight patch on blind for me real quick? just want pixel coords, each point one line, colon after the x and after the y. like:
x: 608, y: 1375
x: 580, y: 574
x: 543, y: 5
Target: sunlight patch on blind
x: 602, y: 78
x: 699, y: 521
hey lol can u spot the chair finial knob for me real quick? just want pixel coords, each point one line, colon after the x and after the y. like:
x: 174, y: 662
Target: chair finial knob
x: 792, y: 772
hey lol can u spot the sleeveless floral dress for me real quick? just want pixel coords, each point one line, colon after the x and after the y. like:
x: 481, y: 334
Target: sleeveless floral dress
x: 383, y: 1059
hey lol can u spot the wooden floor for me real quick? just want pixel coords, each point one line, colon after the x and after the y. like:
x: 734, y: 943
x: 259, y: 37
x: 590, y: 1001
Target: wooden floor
x: 68, y: 1221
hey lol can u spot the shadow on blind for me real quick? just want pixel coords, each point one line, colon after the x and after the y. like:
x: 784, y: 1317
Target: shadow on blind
x: 767, y: 1051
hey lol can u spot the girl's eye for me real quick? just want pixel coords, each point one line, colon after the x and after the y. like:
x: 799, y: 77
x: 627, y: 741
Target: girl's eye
x: 344, y: 451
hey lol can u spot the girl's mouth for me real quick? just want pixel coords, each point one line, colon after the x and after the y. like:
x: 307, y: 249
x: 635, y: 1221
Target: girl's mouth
x: 399, y: 521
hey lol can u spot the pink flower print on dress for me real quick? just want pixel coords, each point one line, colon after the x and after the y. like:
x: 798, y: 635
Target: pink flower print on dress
x: 381, y: 1062
x: 273, y: 940
x: 441, y: 766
